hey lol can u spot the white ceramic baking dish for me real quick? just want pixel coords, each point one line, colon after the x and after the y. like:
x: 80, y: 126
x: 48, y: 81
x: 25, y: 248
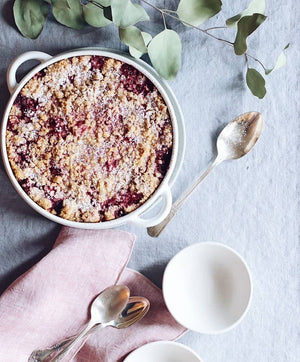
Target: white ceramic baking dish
x: 162, y: 193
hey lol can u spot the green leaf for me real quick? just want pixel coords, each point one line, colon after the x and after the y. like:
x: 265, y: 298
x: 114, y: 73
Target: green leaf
x: 94, y: 15
x: 255, y: 6
x: 255, y: 83
x: 132, y: 36
x: 165, y: 53
x: 246, y: 26
x: 30, y: 17
x: 125, y: 13
x: 136, y: 53
x: 68, y: 12
x: 195, y: 12
x: 281, y: 60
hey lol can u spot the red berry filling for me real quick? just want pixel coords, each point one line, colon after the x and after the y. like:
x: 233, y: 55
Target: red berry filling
x: 55, y: 170
x: 163, y: 158
x: 41, y: 74
x: 58, y: 127
x: 97, y: 62
x: 110, y: 165
x: 134, y: 81
x: 57, y: 206
x: 26, y: 185
x: 26, y: 104
x: 123, y: 200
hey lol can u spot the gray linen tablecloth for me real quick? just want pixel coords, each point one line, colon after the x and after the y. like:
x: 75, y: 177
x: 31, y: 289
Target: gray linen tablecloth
x: 250, y: 205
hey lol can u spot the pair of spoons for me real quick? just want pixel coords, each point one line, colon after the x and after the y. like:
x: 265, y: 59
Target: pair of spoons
x: 113, y: 307
x: 235, y: 141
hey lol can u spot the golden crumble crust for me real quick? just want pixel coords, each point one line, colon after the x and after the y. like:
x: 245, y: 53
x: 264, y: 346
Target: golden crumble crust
x: 89, y: 138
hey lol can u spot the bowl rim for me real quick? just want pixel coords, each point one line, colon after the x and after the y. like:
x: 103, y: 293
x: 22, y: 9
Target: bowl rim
x: 170, y: 343
x: 242, y: 262
x: 165, y: 92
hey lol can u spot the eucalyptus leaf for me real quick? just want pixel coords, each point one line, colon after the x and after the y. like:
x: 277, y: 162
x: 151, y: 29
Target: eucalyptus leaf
x: 246, y: 26
x: 195, y: 12
x: 281, y: 61
x: 132, y: 36
x: 255, y: 83
x: 30, y: 17
x: 94, y: 15
x: 165, y: 53
x: 136, y: 53
x: 68, y: 12
x: 255, y: 6
x: 126, y: 13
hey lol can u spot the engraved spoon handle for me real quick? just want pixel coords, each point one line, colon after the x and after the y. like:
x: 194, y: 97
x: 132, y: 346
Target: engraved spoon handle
x: 157, y: 229
x: 42, y: 355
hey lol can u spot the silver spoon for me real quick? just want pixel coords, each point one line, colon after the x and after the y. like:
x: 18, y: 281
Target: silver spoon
x: 135, y: 310
x: 105, y: 308
x: 235, y: 141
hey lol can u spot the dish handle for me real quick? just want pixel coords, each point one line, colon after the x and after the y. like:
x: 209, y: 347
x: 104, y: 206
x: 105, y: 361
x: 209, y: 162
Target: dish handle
x: 12, y: 69
x: 166, y: 198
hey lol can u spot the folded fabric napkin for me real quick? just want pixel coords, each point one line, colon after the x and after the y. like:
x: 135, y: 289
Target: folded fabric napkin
x: 51, y: 301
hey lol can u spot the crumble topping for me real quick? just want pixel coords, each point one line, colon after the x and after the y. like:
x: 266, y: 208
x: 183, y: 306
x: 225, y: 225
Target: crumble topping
x: 89, y: 138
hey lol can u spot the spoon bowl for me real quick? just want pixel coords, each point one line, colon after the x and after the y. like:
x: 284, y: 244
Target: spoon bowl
x: 109, y: 304
x: 239, y: 136
x: 136, y: 309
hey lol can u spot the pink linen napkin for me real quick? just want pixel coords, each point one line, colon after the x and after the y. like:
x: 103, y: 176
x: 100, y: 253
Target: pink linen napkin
x: 50, y: 301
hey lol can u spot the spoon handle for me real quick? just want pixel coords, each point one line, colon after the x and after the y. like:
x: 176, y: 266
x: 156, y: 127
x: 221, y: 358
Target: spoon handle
x: 42, y: 355
x: 157, y: 229
x: 67, y: 349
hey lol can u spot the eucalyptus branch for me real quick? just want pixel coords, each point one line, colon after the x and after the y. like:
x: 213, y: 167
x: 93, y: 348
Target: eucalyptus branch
x: 205, y: 31
x: 165, y: 48
x: 164, y: 11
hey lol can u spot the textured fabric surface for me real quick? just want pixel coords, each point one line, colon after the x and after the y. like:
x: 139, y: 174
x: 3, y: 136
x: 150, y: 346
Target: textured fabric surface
x: 50, y: 301
x: 250, y: 204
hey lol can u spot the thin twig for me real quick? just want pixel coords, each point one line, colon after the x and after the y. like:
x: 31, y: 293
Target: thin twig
x: 257, y: 60
x: 169, y: 11
x: 216, y: 27
x: 164, y: 20
x: 94, y: 3
x: 152, y: 6
x: 247, y: 63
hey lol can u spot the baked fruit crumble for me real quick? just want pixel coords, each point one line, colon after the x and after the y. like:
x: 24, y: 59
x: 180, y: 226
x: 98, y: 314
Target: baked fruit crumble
x: 89, y: 138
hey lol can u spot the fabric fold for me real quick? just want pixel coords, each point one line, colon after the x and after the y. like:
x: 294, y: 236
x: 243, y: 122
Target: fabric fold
x: 51, y: 300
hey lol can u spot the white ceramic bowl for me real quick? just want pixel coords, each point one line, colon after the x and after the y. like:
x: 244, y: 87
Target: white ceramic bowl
x: 207, y: 288
x: 162, y: 192
x: 163, y: 351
